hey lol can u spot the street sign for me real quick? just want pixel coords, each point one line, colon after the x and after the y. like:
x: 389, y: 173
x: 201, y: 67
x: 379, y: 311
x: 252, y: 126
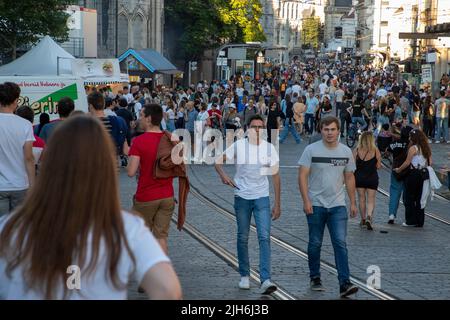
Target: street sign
x: 222, y: 53
x: 193, y: 65
x: 427, y: 73
x: 221, y: 62
x: 260, y: 60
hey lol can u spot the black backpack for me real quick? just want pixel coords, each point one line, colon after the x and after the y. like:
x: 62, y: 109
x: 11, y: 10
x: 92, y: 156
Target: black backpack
x: 132, y: 110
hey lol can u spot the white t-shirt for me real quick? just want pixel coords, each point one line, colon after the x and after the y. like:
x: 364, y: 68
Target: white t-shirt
x: 339, y: 95
x: 14, y: 132
x: 163, y: 121
x: 137, y: 109
x: 296, y: 89
x: 253, y: 164
x: 323, y: 87
x: 144, y: 246
x: 170, y: 114
x: 129, y: 98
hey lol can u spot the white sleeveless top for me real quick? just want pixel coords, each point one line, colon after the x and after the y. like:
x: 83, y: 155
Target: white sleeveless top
x: 419, y: 161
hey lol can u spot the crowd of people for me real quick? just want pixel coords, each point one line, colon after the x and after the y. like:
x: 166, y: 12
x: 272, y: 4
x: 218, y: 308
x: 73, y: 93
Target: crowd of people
x: 48, y: 183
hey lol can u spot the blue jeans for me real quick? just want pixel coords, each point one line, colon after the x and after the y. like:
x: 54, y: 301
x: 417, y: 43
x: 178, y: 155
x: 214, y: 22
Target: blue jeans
x: 309, y: 122
x: 336, y: 221
x: 361, y: 121
x: 396, y: 189
x: 441, y: 128
x: 289, y: 128
x: 261, y: 210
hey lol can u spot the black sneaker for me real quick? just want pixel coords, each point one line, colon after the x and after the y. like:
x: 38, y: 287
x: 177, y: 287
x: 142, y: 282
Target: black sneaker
x: 316, y: 285
x: 347, y: 289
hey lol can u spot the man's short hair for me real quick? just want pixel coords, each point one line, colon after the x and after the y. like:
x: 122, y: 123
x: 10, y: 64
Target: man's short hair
x: 97, y: 101
x: 329, y: 120
x: 123, y: 103
x: 9, y: 92
x: 108, y: 102
x: 155, y: 112
x: 66, y: 106
x: 256, y: 117
x: 25, y: 112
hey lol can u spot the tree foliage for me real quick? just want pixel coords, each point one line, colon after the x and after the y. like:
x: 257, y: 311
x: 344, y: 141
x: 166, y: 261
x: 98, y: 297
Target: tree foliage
x: 311, y: 32
x: 22, y: 22
x: 206, y: 24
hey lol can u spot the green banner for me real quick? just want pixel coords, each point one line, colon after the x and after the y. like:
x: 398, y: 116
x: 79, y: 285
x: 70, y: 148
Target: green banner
x: 49, y: 103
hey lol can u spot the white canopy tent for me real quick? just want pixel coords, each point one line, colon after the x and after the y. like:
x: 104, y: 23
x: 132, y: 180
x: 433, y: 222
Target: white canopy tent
x: 42, y: 60
x: 47, y: 58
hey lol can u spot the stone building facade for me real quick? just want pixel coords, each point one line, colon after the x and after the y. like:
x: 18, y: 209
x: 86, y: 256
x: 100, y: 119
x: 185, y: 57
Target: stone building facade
x: 124, y: 24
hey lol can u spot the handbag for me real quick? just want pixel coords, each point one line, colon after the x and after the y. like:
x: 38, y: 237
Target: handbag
x: 400, y: 176
x: 424, y: 174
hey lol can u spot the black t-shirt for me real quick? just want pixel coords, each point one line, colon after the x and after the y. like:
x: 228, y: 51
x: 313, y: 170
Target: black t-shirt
x: 399, y: 151
x: 326, y: 107
x: 126, y: 115
x: 360, y: 93
x: 272, y: 118
x: 395, y: 89
x: 357, y: 110
x: 289, y: 110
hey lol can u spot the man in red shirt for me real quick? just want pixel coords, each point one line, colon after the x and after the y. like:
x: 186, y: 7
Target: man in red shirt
x: 215, y: 117
x: 154, y: 198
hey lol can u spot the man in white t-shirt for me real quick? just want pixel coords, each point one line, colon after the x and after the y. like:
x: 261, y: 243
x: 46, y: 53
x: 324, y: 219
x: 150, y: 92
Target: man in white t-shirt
x: 323, y: 87
x: 296, y: 88
x: 255, y: 159
x: 17, y: 170
x: 127, y: 95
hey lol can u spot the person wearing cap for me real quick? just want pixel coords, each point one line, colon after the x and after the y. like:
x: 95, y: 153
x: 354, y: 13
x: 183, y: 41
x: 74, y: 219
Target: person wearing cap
x: 231, y: 118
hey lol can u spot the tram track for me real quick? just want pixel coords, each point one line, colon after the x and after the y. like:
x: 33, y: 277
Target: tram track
x: 428, y: 214
x: 386, y: 194
x: 294, y: 250
x: 279, y: 294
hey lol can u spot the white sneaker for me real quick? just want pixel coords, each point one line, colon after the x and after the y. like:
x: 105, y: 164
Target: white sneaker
x: 448, y: 141
x: 430, y: 141
x: 408, y: 225
x: 437, y: 141
x: 268, y: 287
x: 244, y: 283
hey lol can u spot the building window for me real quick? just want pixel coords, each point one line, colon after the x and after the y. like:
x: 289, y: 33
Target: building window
x: 338, y: 32
x: 343, y: 3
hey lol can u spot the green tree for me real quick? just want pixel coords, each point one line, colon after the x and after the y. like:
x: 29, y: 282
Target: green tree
x: 22, y: 22
x: 200, y: 25
x: 311, y: 32
x: 244, y: 14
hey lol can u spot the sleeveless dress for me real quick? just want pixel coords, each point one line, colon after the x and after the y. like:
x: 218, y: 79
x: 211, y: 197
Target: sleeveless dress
x: 366, y: 174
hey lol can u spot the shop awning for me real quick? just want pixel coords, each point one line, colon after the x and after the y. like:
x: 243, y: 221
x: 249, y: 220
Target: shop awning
x: 148, y: 59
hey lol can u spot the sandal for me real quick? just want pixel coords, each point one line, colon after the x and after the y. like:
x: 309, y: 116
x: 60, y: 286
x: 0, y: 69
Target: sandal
x: 369, y: 223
